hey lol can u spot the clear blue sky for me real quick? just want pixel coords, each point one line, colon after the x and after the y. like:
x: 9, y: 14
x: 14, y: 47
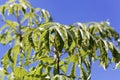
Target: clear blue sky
x: 71, y: 11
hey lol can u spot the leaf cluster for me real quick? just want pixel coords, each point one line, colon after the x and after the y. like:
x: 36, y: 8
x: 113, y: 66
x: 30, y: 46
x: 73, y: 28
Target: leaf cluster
x: 45, y: 50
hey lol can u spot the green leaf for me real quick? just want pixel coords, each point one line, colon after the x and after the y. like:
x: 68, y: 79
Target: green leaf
x: 63, y: 66
x: 73, y: 58
x: 92, y: 41
x: 2, y: 10
x: 11, y: 24
x: 46, y: 59
x: 72, y: 46
x: 80, y: 36
x: 19, y: 73
x: 5, y: 59
x: 117, y: 65
x: 62, y: 32
x: 105, y: 45
x: 82, y: 52
x: 30, y: 39
x: 28, y: 16
x: 87, y: 65
x: 43, y: 39
x: 104, y: 61
x: 47, y: 40
x: 45, y: 15
x: 59, y: 43
x: 73, y: 71
x: 84, y: 74
x: 116, y: 54
x: 15, y: 51
x: 1, y: 74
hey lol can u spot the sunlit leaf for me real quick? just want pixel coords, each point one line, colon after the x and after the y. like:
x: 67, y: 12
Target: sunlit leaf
x: 20, y: 73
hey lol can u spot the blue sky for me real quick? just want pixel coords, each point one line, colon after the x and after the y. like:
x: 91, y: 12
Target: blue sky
x: 71, y: 11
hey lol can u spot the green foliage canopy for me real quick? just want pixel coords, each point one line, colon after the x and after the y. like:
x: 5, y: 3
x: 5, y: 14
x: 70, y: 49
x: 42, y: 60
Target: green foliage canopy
x: 36, y: 40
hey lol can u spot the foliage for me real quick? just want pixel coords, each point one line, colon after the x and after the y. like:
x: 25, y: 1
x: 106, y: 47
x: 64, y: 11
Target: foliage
x: 38, y: 45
